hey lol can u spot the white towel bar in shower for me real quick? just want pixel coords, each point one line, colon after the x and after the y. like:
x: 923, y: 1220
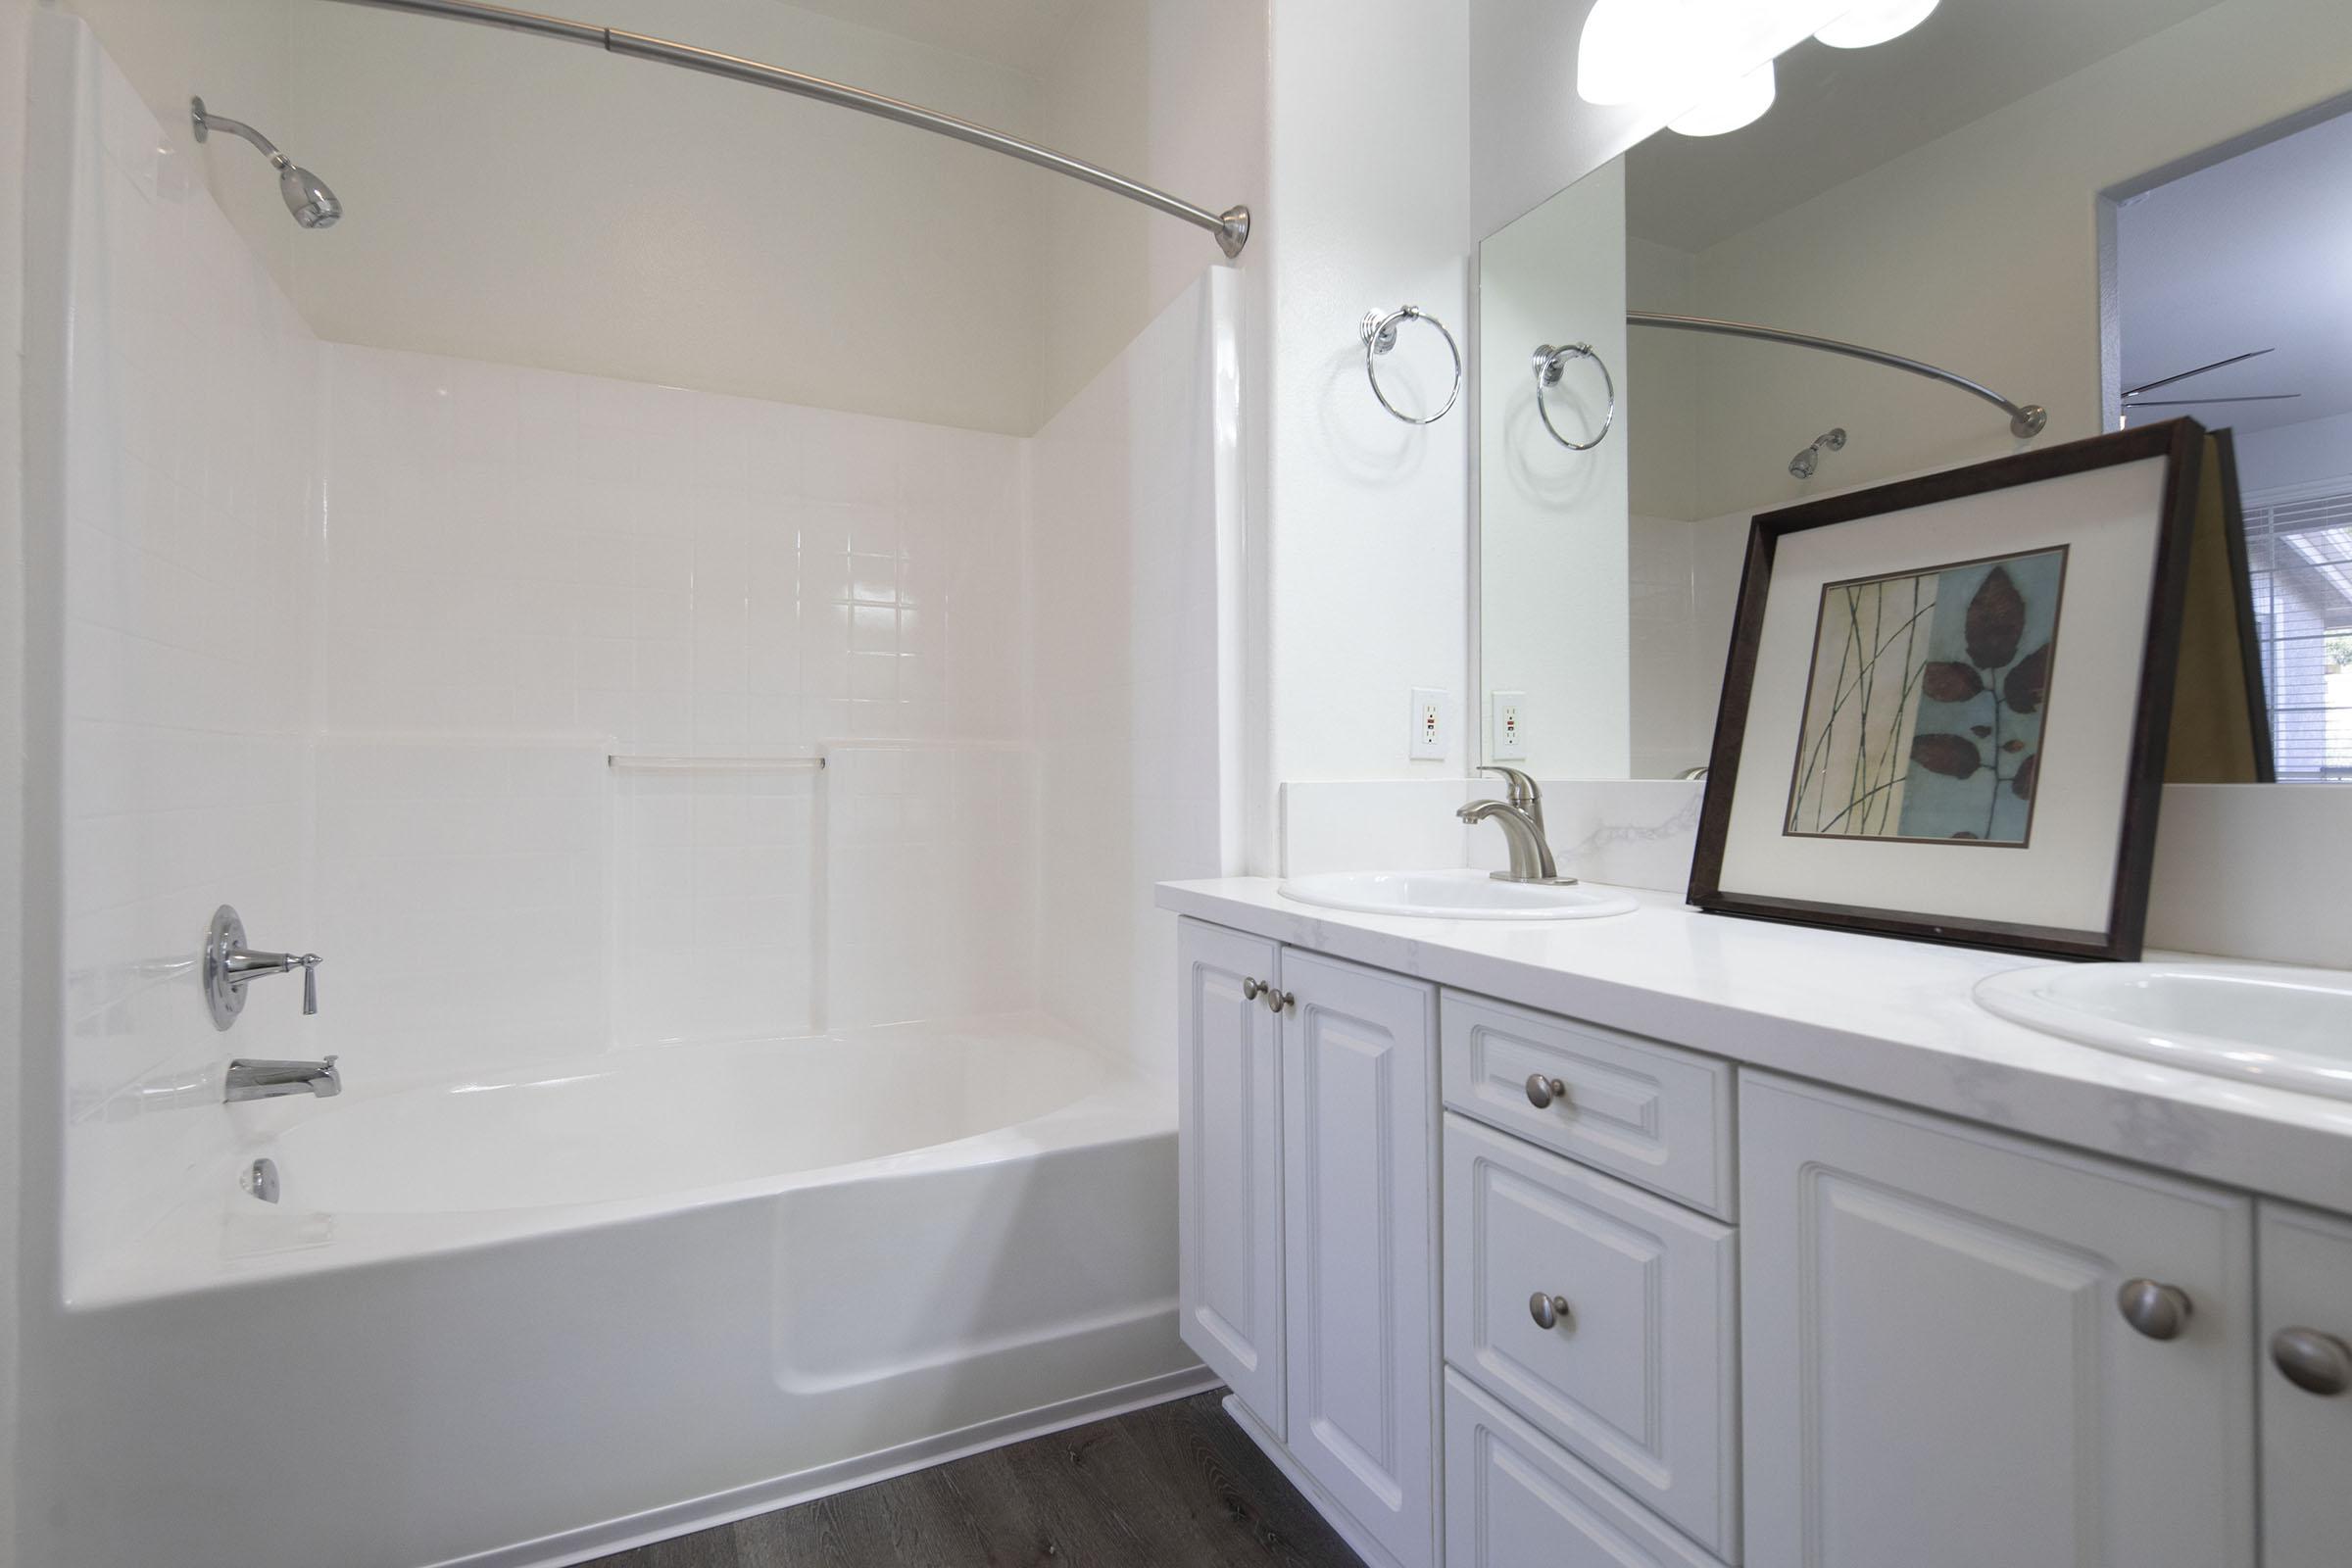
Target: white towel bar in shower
x: 628, y: 764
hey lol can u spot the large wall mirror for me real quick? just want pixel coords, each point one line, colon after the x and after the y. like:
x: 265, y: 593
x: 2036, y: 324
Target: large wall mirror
x: 2039, y: 221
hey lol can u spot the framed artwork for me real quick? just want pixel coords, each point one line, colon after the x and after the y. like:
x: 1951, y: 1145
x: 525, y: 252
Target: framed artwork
x: 1948, y: 701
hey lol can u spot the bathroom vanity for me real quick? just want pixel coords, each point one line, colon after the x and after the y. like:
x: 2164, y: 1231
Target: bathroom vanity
x: 1681, y: 1240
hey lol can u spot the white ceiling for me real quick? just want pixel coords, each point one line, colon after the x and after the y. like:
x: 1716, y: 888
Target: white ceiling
x: 1843, y: 112
x: 1024, y: 35
x: 2253, y: 253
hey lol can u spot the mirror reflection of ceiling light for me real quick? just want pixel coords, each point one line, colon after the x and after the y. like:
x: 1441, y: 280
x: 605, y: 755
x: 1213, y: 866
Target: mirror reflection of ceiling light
x: 1710, y: 61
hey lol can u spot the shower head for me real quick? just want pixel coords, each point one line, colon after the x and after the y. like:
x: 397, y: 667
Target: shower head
x: 1808, y: 461
x: 307, y: 196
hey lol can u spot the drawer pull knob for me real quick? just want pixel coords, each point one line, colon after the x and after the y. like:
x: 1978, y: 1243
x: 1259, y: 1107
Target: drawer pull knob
x: 2160, y: 1311
x: 2315, y: 1363
x: 1276, y: 1001
x: 1251, y: 989
x: 1541, y: 1092
x: 1548, y: 1312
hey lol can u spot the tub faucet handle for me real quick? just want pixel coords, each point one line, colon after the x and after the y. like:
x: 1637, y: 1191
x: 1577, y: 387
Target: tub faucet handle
x: 310, y: 986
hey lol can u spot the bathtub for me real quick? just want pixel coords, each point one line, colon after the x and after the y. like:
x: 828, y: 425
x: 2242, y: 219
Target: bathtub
x: 533, y: 1318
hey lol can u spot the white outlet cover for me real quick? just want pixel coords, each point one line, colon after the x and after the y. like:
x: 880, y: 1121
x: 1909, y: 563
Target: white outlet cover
x: 1506, y: 726
x: 1427, y: 726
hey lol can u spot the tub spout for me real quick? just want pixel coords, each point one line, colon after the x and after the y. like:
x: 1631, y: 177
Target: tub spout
x: 249, y: 1079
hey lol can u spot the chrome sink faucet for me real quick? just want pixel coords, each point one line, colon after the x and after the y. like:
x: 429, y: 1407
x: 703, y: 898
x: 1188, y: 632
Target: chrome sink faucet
x: 250, y: 1079
x: 1521, y: 819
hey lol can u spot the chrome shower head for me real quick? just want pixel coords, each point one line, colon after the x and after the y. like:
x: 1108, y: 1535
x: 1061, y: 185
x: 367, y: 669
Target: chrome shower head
x: 1808, y: 461
x: 313, y: 205
x: 307, y: 196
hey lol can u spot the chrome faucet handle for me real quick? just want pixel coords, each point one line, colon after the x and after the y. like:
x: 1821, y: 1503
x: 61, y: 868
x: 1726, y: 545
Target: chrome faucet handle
x: 310, y: 962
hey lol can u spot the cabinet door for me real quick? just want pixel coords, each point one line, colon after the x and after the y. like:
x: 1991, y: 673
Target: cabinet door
x: 2306, y: 1431
x: 1936, y: 1371
x: 1229, y: 1162
x: 1514, y: 1499
x: 1359, y: 1131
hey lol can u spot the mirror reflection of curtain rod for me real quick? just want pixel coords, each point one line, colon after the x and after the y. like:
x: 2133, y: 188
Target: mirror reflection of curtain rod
x: 2026, y: 420
x: 1231, y: 227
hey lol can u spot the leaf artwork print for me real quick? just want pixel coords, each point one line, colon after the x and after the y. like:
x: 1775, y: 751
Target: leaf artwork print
x: 1927, y: 702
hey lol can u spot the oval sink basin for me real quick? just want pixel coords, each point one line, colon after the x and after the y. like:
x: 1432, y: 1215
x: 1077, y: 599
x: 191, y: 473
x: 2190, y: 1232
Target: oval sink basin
x: 2289, y: 1028
x: 1453, y: 895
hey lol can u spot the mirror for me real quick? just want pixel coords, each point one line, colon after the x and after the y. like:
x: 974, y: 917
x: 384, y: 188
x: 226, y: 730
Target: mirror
x: 2113, y: 212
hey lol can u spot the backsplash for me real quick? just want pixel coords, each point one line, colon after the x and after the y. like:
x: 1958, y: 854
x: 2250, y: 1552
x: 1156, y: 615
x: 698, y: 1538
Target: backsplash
x: 2235, y: 872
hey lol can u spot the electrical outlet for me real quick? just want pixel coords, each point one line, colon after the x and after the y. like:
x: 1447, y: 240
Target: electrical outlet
x: 1506, y: 726
x: 1427, y: 737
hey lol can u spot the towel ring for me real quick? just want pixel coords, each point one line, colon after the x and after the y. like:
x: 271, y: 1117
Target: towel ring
x: 1549, y: 363
x: 1379, y: 333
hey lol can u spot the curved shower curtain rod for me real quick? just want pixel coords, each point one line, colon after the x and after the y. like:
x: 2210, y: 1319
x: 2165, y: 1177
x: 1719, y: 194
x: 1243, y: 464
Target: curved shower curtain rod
x: 2026, y: 419
x: 1231, y: 227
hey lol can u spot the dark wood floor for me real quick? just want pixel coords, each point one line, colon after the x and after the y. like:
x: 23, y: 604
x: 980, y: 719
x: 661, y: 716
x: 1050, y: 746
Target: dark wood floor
x: 1176, y: 1485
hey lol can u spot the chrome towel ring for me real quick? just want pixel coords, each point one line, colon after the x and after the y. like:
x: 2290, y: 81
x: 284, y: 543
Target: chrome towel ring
x: 1379, y: 333
x: 1549, y: 364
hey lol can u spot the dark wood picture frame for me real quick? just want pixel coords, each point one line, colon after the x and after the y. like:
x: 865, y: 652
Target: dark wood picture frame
x: 2183, y: 444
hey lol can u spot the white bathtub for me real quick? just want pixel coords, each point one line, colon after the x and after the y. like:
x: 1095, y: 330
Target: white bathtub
x: 536, y: 1318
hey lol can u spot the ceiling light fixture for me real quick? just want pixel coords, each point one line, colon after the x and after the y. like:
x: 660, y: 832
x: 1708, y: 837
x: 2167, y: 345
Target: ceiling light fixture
x: 1706, y: 65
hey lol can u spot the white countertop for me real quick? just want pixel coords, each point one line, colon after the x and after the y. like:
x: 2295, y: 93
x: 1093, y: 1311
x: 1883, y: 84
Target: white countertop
x: 1874, y: 1015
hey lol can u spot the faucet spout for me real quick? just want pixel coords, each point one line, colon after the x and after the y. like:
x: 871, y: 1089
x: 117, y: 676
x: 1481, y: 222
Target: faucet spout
x: 1531, y: 856
x: 251, y: 1079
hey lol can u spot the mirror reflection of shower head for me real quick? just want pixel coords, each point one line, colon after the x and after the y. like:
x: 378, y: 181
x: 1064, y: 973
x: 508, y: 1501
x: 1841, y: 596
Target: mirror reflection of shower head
x: 307, y: 196
x: 1808, y: 461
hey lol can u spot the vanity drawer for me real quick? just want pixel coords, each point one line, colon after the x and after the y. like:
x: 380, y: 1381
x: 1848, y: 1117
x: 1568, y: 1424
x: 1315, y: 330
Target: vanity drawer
x: 1655, y: 1115
x: 1514, y: 1498
x: 1637, y: 1375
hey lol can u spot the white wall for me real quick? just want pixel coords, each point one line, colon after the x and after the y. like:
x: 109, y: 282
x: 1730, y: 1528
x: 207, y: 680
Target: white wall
x: 1170, y: 92
x: 1553, y: 617
x: 14, y: 21
x: 1135, y: 490
x: 1365, y: 566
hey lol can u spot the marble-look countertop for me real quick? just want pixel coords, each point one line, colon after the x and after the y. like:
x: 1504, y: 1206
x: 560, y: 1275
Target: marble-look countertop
x: 1873, y: 1014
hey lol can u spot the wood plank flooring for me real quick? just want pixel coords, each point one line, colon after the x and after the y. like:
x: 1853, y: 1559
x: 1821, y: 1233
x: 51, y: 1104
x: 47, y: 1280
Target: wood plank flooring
x: 1176, y: 1485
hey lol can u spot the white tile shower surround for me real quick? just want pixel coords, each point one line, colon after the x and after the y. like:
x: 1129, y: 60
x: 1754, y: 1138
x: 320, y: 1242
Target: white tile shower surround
x: 183, y: 564
x: 1127, y: 487
x: 494, y: 577
x: 2235, y: 872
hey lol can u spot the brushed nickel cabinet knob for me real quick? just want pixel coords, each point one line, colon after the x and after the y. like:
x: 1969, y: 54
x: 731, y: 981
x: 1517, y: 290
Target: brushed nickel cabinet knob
x: 1548, y: 1312
x: 2315, y: 1363
x: 1251, y: 989
x: 1543, y: 1091
x: 2160, y: 1311
x: 1276, y: 1001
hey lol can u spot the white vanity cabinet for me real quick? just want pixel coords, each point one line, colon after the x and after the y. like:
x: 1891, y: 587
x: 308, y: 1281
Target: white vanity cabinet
x: 1307, y: 1199
x: 2306, y: 1382
x: 1938, y: 1372
x: 1505, y: 1289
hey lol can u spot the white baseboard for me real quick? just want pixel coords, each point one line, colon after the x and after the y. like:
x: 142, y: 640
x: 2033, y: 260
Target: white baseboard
x: 644, y: 1527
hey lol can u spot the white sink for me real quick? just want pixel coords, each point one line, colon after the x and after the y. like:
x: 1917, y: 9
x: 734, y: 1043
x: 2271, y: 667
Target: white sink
x: 1453, y: 895
x: 2290, y: 1028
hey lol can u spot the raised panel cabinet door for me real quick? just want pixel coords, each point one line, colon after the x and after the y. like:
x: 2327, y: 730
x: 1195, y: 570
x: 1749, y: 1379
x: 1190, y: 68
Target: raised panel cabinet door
x: 1229, y: 1162
x: 2306, y: 1349
x: 1936, y: 1369
x: 1360, y: 1130
x: 1516, y: 1500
